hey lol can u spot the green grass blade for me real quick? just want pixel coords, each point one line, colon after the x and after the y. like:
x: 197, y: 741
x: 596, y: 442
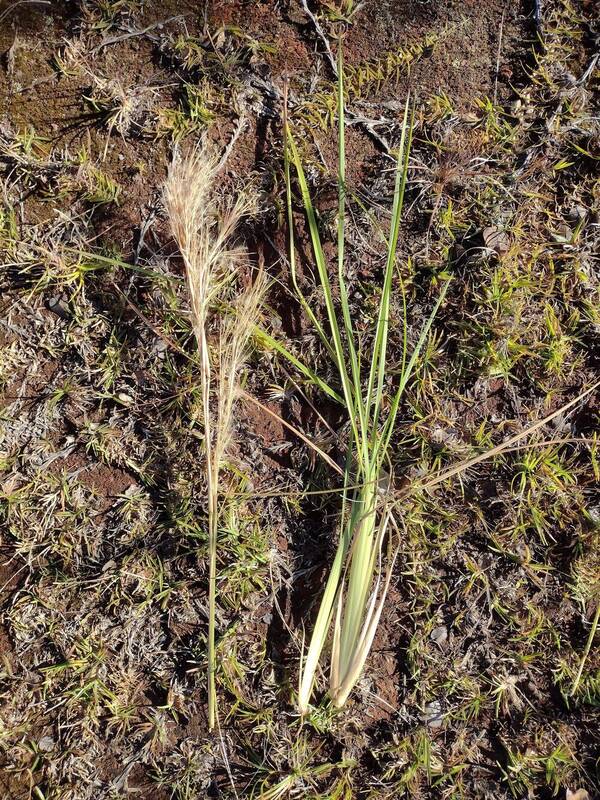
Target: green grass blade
x: 347, y: 386
x: 378, y: 363
x: 360, y: 572
x: 354, y: 360
x: 308, y: 668
x: 407, y: 370
x: 292, y: 249
x: 266, y: 339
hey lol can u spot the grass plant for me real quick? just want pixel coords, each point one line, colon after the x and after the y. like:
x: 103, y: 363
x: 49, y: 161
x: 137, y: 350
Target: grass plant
x: 203, y: 231
x: 359, y: 578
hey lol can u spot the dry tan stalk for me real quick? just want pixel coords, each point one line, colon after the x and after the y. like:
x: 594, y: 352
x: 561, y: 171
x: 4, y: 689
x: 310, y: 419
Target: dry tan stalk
x: 203, y: 230
x: 234, y: 337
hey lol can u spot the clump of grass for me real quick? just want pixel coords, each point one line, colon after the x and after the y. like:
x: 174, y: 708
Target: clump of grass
x: 363, y: 80
x: 219, y: 54
x: 360, y: 575
x: 118, y: 105
x: 102, y: 15
x: 197, y: 109
x: 203, y: 230
x: 100, y: 189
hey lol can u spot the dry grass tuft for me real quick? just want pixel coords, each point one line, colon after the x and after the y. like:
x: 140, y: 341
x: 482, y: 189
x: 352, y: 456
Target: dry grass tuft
x: 203, y: 230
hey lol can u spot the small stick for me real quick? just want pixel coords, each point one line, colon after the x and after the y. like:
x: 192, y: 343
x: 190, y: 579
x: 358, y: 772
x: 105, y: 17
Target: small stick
x: 464, y: 465
x: 500, y: 34
x: 24, y: 2
x: 230, y: 145
x: 294, y: 430
x: 321, y: 34
x: 586, y: 652
x: 133, y: 34
x: 537, y: 14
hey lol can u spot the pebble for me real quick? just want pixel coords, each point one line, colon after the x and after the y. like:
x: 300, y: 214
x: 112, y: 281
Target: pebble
x: 46, y: 744
x: 433, y: 715
x: 439, y: 635
x: 59, y: 307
